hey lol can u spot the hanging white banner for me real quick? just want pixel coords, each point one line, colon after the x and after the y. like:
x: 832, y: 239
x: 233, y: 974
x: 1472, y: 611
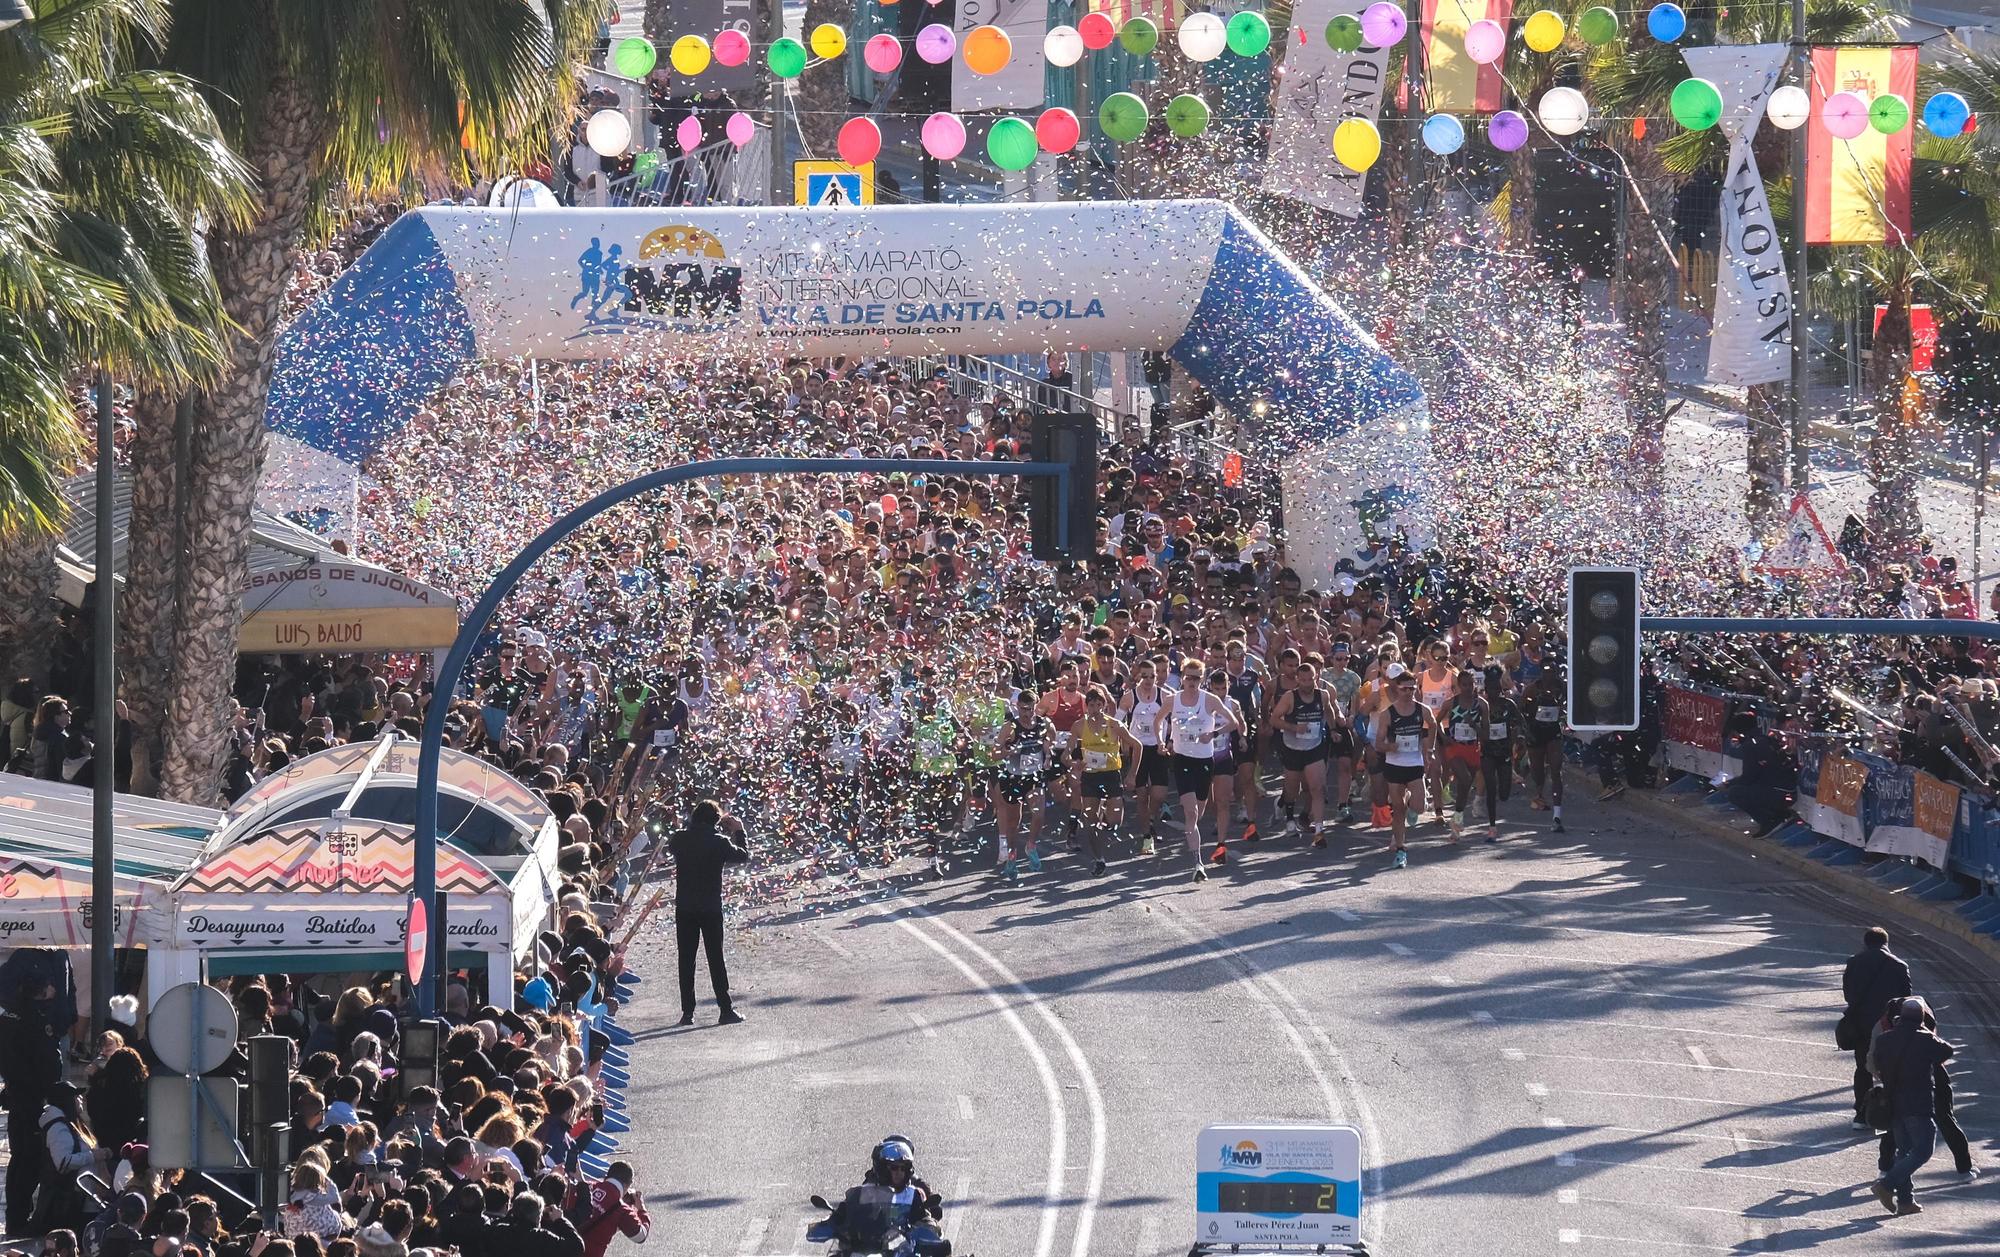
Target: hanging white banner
x: 1318, y: 89
x: 1751, y: 342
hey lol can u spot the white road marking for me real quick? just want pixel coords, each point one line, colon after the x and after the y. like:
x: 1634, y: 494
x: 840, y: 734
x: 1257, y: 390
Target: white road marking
x: 1445, y: 979
x: 833, y: 944
x: 1149, y: 1238
x: 1093, y: 1189
x: 1513, y: 1054
x: 1345, y: 915
x: 1730, y: 1104
x: 1733, y: 1137
x: 1566, y: 1196
x: 1619, y: 1239
x: 1652, y: 1025
x: 1482, y: 1016
x: 1564, y: 1160
x: 1399, y: 949
x: 1569, y: 1237
x: 1538, y: 1089
x: 965, y: 1107
x: 1700, y: 1057
x: 753, y: 1235
x: 961, y: 1196
x: 1787, y: 1179
x: 1554, y: 1123
x: 1052, y: 1187
x: 930, y: 1031
x: 1640, y: 1060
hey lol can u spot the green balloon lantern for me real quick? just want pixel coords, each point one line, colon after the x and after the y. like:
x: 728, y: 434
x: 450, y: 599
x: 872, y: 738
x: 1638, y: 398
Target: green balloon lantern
x: 1011, y: 144
x: 1248, y: 34
x: 635, y: 57
x: 1187, y: 115
x: 1123, y: 117
x: 787, y: 58
x: 1597, y: 27
x: 1696, y: 104
x: 1888, y: 113
x: 1139, y: 37
x: 1343, y: 34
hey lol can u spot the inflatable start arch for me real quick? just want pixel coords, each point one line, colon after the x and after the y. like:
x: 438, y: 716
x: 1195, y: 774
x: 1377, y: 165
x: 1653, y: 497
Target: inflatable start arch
x: 443, y: 286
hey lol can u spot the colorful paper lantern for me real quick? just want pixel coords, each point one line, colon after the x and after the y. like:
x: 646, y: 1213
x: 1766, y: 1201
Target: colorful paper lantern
x: 1343, y: 33
x: 741, y: 128
x: 688, y: 134
x: 1097, y: 31
x: 1248, y: 33
x: 1356, y: 143
x: 1443, y: 134
x: 988, y: 49
x: 936, y: 44
x: 1543, y: 31
x: 731, y: 47
x: 882, y: 53
x: 829, y: 40
x: 1062, y: 46
x: 1123, y: 117
x: 609, y: 133
x: 943, y: 136
x: 1057, y: 130
x: 859, y: 141
x: 1187, y: 115
x: 1485, y: 41
x: 1597, y: 27
x: 1010, y: 142
x: 787, y: 58
x: 1139, y: 36
x: 1666, y: 22
x: 1789, y: 107
x: 1383, y: 24
x: 1845, y: 115
x: 1888, y: 113
x: 634, y: 57
x: 1945, y: 114
x: 1507, y: 131
x: 1696, y: 104
x: 1563, y: 111
x: 690, y: 55
x: 1202, y: 37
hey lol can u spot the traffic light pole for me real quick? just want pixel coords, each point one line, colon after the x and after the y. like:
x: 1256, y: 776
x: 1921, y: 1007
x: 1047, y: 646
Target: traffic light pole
x: 431, y: 750
x: 1983, y: 630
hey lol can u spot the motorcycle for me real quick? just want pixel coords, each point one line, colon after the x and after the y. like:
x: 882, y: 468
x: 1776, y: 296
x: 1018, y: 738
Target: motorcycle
x: 862, y: 1228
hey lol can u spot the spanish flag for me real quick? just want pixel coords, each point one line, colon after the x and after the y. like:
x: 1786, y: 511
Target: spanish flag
x: 1454, y: 82
x: 1858, y: 190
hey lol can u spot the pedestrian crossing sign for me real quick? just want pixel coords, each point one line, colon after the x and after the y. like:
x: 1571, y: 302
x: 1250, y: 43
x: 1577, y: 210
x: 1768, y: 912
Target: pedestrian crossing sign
x: 832, y: 184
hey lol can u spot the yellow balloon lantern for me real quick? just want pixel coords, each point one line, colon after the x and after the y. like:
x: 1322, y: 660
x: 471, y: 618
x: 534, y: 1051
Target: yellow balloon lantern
x: 1543, y: 31
x: 690, y: 55
x: 828, y: 40
x: 988, y: 49
x: 1356, y: 143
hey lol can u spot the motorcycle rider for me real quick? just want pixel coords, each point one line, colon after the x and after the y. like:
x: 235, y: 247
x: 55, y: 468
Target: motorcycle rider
x: 891, y: 1198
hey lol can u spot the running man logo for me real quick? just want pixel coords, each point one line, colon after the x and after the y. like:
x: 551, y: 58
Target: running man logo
x: 1243, y: 1156
x: 681, y: 279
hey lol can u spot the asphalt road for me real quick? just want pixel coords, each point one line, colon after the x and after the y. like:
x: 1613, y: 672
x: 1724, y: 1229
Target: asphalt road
x: 1612, y: 1041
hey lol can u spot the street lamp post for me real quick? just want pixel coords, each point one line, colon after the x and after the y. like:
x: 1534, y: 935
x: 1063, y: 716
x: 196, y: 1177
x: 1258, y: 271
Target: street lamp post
x: 104, y: 757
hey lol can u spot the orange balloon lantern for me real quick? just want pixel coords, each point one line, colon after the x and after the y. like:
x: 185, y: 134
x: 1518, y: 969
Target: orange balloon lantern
x: 988, y: 49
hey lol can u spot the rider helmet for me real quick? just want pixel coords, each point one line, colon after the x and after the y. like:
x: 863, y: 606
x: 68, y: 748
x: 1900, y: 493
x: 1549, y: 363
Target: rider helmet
x: 893, y: 1151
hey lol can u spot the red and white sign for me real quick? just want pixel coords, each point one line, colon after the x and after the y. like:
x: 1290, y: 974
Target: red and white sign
x: 1693, y: 729
x: 417, y: 940
x: 1923, y: 335
x: 1806, y: 545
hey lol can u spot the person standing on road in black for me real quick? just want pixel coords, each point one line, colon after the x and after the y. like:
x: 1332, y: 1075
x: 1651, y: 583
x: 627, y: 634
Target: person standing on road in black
x: 1947, y: 1122
x: 1766, y: 786
x: 1874, y: 976
x: 30, y: 1067
x: 1904, y: 1059
x: 710, y: 841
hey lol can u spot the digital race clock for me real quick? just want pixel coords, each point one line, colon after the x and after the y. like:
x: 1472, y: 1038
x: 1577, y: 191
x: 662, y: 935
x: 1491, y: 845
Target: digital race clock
x: 1278, y: 1185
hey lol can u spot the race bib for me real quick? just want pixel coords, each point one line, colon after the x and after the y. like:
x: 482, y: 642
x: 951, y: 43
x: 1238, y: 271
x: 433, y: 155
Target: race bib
x: 1464, y: 733
x: 1028, y: 765
x: 1096, y: 761
x: 1310, y: 730
x: 1061, y: 740
x: 1548, y: 715
x: 1406, y: 744
x: 662, y: 738
x: 1497, y: 731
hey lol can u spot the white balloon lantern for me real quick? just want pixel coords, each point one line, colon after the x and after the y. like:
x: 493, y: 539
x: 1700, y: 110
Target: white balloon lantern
x: 1063, y: 46
x: 1563, y: 110
x: 1203, y: 37
x: 609, y: 133
x: 1789, y: 107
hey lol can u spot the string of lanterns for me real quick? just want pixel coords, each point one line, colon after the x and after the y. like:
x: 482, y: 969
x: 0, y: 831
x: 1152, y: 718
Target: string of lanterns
x: 1014, y: 142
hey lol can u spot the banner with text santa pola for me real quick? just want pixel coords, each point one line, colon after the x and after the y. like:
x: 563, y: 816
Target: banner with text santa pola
x: 1751, y: 342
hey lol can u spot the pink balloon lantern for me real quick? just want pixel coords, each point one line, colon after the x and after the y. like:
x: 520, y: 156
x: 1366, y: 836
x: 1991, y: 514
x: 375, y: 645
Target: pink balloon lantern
x: 731, y: 47
x: 1486, y: 41
x: 688, y: 133
x: 1507, y: 130
x: 936, y: 43
x: 883, y: 53
x: 944, y: 136
x: 741, y: 128
x: 859, y: 141
x: 1383, y: 24
x: 1845, y: 115
x: 1057, y: 130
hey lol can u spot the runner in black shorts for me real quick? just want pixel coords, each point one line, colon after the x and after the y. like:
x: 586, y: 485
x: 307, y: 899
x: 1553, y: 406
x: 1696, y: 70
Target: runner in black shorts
x: 1024, y: 748
x: 1542, y: 705
x: 1496, y: 753
x: 1301, y: 717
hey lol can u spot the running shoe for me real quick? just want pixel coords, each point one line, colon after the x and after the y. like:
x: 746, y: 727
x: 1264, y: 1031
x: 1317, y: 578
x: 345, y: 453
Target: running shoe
x: 1250, y: 831
x: 1200, y: 873
x: 1402, y: 859
x: 1492, y: 833
x: 1558, y: 826
x: 1220, y: 855
x: 1319, y: 840
x: 1013, y: 873
x: 1097, y: 869
x: 1347, y: 813
x: 1146, y: 845
x: 1034, y: 859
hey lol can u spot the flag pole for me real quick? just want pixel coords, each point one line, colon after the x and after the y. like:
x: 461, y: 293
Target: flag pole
x: 1801, y: 273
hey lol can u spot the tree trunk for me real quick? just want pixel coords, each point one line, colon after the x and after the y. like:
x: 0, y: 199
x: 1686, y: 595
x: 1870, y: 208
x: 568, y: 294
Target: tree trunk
x: 252, y: 269
x: 146, y: 606
x: 1894, y: 513
x: 27, y: 603
x: 1763, y: 500
x: 1523, y: 196
x: 821, y: 96
x: 1649, y: 278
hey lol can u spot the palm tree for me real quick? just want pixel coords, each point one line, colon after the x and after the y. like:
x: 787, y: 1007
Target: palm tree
x: 307, y: 90
x: 1528, y: 74
x: 821, y: 98
x: 106, y: 166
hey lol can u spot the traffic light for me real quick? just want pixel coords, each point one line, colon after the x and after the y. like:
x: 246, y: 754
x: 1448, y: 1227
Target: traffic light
x: 1603, y: 649
x: 1070, y: 439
